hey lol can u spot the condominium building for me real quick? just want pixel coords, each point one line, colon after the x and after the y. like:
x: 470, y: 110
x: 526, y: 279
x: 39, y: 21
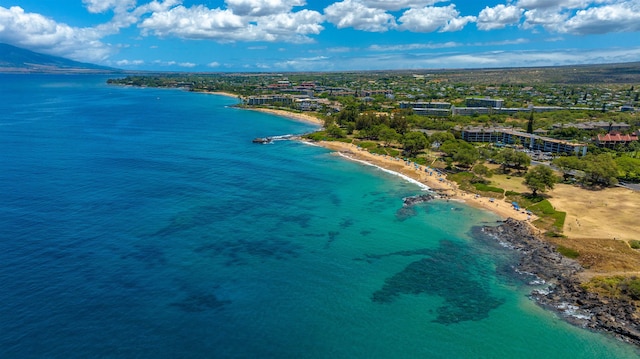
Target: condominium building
x: 527, y: 140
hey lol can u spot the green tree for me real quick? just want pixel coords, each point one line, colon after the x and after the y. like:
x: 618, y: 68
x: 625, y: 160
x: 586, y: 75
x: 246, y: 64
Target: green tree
x: 439, y: 138
x: 400, y: 123
x: 388, y: 135
x: 600, y: 169
x: 539, y: 179
x: 413, y: 142
x: 628, y: 168
x: 510, y: 158
x: 462, y: 152
x: 482, y: 171
x: 568, y: 164
x: 335, y: 131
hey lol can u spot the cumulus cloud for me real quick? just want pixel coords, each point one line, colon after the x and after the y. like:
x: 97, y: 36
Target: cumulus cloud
x: 292, y: 27
x: 622, y: 17
x: 391, y: 5
x: 549, y: 19
x: 262, y: 7
x: 352, y: 13
x: 430, y: 19
x: 557, y: 4
x: 130, y: 62
x: 195, y: 22
x: 498, y: 17
x: 412, y: 47
x: 213, y: 64
x: 39, y: 33
x: 99, y: 6
x: 200, y: 22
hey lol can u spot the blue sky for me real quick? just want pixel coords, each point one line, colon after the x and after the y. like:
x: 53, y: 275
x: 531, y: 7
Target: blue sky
x: 329, y: 35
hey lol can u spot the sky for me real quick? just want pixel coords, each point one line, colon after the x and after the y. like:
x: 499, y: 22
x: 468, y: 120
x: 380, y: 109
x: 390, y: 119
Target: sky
x: 327, y: 35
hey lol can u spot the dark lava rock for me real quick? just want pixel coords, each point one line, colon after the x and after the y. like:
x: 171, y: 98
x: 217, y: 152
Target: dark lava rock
x: 413, y: 200
x: 565, y: 295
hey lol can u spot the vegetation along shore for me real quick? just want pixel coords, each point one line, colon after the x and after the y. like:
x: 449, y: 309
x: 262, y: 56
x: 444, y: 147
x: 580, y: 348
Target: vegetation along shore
x: 553, y: 152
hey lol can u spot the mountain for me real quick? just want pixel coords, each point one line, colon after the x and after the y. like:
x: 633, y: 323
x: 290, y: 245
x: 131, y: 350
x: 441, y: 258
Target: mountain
x: 17, y: 60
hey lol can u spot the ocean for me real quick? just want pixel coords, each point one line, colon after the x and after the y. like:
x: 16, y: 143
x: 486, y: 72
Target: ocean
x: 144, y: 223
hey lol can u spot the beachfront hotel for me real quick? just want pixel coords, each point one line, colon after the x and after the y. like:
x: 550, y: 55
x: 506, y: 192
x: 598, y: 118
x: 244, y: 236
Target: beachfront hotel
x: 531, y: 141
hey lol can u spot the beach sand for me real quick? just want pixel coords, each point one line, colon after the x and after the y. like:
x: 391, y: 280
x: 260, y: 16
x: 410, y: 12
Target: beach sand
x: 436, y: 182
x: 605, y: 214
x: 290, y: 115
x: 610, y: 213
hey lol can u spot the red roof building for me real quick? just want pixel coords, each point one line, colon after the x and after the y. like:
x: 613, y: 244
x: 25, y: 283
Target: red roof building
x: 610, y: 140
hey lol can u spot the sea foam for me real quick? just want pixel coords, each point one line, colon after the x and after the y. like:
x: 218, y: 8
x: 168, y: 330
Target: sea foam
x: 423, y: 186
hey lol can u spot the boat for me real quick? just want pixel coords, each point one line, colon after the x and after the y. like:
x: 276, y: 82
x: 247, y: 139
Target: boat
x: 262, y: 140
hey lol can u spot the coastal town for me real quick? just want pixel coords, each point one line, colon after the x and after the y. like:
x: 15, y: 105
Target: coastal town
x: 555, y: 151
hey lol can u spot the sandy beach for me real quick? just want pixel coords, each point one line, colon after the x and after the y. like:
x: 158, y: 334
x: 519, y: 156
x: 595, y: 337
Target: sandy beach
x: 221, y: 93
x: 430, y: 178
x: 605, y: 214
x: 291, y: 115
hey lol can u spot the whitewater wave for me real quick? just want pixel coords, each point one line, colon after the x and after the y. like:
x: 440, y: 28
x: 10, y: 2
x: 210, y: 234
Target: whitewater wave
x: 423, y: 186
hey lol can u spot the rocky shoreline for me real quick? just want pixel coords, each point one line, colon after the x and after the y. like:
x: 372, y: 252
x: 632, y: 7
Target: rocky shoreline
x: 563, y: 293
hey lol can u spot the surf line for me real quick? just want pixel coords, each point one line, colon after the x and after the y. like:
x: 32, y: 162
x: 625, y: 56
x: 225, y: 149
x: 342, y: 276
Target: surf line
x: 423, y: 186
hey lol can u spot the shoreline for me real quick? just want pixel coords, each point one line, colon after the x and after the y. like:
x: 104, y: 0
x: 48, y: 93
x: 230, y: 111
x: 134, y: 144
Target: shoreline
x: 219, y: 93
x: 564, y: 294
x: 428, y: 177
x: 287, y: 114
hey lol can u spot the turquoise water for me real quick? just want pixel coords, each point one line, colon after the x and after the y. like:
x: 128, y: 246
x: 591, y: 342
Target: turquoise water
x: 144, y: 223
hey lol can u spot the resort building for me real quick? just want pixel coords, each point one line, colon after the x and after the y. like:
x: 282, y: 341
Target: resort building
x: 421, y: 104
x: 436, y: 109
x: 269, y: 100
x: 527, y: 140
x: 611, y: 140
x: 596, y: 125
x: 484, y: 102
x: 470, y: 111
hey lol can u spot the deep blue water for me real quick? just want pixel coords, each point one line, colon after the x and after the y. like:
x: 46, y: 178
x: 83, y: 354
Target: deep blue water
x: 143, y: 223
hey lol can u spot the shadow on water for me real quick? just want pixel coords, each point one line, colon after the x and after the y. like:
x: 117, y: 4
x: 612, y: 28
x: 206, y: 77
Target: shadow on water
x: 195, y: 303
x: 451, y: 272
x: 239, y: 252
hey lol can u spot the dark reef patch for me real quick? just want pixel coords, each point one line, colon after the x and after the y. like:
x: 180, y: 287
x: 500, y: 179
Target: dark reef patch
x: 346, y: 223
x: 450, y: 272
x: 405, y: 213
x: 301, y: 219
x: 195, y: 303
x: 332, y: 237
x: 151, y: 255
x: 239, y: 252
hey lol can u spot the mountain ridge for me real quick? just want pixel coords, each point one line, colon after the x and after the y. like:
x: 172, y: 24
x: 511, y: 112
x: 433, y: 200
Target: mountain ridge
x: 18, y: 60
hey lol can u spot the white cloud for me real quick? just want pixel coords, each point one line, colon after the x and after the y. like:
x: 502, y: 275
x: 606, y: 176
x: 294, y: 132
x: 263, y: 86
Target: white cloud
x: 352, y: 13
x: 199, y: 22
x: 557, y: 4
x: 262, y: 7
x: 411, y: 47
x: 395, y: 5
x: 548, y: 19
x: 38, y: 33
x: 99, y: 6
x: 498, y: 17
x: 291, y: 27
x: 196, y: 22
x: 187, y: 64
x: 489, y: 59
x: 430, y: 19
x: 213, y: 64
x: 130, y: 62
x: 622, y: 17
